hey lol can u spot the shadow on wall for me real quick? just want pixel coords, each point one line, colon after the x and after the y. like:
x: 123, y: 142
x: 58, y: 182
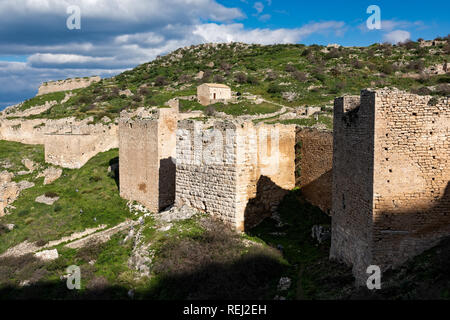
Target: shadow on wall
x: 167, y: 170
x: 268, y: 196
x: 114, y: 165
x: 319, y: 192
x: 406, y: 233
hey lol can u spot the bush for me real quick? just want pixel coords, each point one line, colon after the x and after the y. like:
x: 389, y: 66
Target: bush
x: 218, y: 79
x: 271, y: 76
x: 274, y: 89
x: 252, y: 80
x: 210, y: 111
x: 423, y: 91
x: 57, y: 208
x: 241, y: 78
x: 299, y: 76
x: 433, y: 101
x: 144, y: 91
x: 160, y: 81
x: 387, y: 68
x: 290, y: 68
x: 333, y: 54
x: 51, y: 194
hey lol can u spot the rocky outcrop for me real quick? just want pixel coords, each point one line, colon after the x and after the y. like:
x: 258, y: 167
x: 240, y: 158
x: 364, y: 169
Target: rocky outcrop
x: 9, y: 192
x: 50, y: 174
x: 46, y: 200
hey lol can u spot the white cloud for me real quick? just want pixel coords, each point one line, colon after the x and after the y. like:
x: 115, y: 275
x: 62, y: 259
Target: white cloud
x: 397, y: 36
x: 265, y: 17
x: 237, y: 33
x: 259, y: 7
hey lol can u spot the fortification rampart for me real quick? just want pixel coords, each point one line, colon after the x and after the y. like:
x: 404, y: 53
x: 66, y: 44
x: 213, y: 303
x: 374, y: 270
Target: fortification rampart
x: 391, y: 192
x: 65, y: 85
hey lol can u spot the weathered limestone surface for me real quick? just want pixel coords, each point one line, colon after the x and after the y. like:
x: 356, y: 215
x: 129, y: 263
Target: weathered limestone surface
x: 314, y: 162
x: 238, y: 172
x: 147, y: 158
x: 391, y: 178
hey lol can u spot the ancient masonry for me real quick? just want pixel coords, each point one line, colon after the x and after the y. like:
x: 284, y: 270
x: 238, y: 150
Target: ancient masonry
x: 391, y: 178
x: 237, y: 172
x: 244, y: 178
x: 147, y: 157
x: 210, y: 93
x: 65, y: 85
x: 314, y: 162
x: 75, y: 145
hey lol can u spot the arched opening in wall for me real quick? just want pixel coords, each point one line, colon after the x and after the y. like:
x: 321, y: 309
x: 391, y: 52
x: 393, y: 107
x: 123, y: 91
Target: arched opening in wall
x: 214, y: 96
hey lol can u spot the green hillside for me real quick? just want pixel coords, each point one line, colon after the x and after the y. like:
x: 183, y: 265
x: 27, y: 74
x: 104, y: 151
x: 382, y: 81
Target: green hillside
x: 292, y: 75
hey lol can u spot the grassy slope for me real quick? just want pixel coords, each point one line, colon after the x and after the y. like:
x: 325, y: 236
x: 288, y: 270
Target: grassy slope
x: 89, y: 190
x: 315, y: 76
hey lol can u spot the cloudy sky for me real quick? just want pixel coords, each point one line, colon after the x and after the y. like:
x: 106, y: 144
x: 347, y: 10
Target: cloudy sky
x: 36, y: 44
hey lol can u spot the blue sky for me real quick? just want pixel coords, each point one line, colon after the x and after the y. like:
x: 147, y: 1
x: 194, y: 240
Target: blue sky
x: 115, y: 35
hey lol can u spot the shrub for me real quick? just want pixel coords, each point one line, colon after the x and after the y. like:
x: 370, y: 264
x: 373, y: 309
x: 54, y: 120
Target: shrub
x: 241, y: 78
x: 290, y: 68
x: 433, y: 101
x: 51, y: 194
x: 299, y: 76
x: 95, y: 179
x: 274, y: 89
x: 271, y: 76
x: 144, y: 91
x: 57, y: 208
x: 387, y: 68
x: 160, y: 81
x: 184, y: 78
x: 424, y: 91
x: 333, y: 54
x: 137, y: 98
x: 23, y: 213
x: 210, y: 111
x: 41, y: 243
x: 357, y: 64
x: 218, y: 78
x: 252, y: 80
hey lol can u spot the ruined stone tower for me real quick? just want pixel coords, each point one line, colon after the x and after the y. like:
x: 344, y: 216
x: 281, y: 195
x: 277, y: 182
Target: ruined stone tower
x: 147, y: 158
x: 391, y: 178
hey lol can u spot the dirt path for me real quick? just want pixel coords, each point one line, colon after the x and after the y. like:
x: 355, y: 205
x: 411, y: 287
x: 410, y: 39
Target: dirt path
x: 75, y: 240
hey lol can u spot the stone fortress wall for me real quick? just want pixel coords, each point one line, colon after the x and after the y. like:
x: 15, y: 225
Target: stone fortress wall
x: 314, y: 162
x: 391, y: 178
x: 66, y: 85
x: 243, y: 180
x: 147, y: 157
